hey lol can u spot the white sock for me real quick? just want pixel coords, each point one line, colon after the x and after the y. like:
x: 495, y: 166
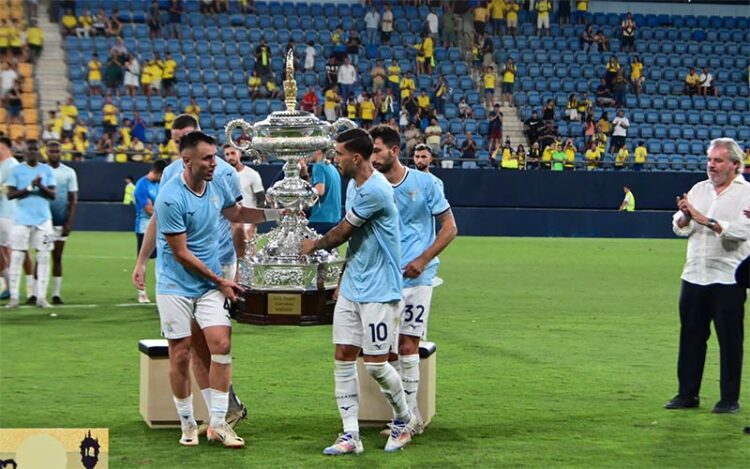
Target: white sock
x: 391, y: 387
x: 185, y: 411
x: 410, y: 379
x: 347, y: 396
x: 219, y: 407
x: 3, y: 282
x: 29, y: 285
x: 207, y: 397
x: 396, y: 364
x: 6, y: 277
x: 14, y: 273
x: 56, y: 286
x: 42, y: 274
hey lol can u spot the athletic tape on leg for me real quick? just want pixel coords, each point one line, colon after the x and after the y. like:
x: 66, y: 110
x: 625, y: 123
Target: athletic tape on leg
x: 221, y: 359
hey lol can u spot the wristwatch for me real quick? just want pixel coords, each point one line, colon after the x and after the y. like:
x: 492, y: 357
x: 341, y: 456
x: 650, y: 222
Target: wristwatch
x: 712, y: 223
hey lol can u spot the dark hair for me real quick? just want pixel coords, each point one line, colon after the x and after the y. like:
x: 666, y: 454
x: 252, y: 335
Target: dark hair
x: 423, y: 147
x: 390, y: 136
x: 356, y: 141
x: 6, y: 141
x: 184, y: 121
x: 52, y: 143
x: 192, y: 139
x: 158, y: 166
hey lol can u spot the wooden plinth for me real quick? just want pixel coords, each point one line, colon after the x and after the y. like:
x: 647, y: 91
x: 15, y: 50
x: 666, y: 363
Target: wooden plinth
x: 286, y: 308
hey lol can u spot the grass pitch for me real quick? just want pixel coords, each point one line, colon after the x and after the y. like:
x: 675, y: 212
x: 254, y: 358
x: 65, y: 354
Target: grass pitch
x: 551, y: 353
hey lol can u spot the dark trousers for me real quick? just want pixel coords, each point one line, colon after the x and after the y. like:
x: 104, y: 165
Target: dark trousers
x: 699, y: 305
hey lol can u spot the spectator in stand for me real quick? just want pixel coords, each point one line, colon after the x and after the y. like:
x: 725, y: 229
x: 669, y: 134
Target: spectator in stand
x: 708, y: 87
x: 563, y: 12
x: 110, y: 116
x: 601, y: 40
x: 367, y: 111
x: 620, y: 88
x: 531, y: 127
x: 480, y: 18
x: 582, y: 8
x: 351, y: 109
x: 386, y: 24
x: 413, y: 137
x: 604, y: 125
x: 601, y: 138
x: 85, y: 24
x: 620, y: 126
x: 407, y: 86
x: 433, y: 134
x: 509, y: 159
x: 310, y: 101
x: 69, y: 23
x: 423, y: 100
x: 464, y: 110
x: 372, y: 21
x: 95, y: 75
x: 622, y: 156
x: 353, y: 47
x: 489, y: 79
x: 169, y: 68
x: 146, y: 78
x: 636, y: 74
x: 488, y: 49
x: 428, y: 50
x: 587, y: 40
x: 548, y: 113
x: 469, y: 148
x: 604, y: 97
x: 119, y: 51
x: 49, y: 133
x: 449, y: 36
x: 263, y: 59
x: 543, y: 8
x: 101, y: 23
x: 497, y: 16
x: 571, y: 109
x: 432, y: 23
x: 511, y: 15
x: 589, y: 129
x: 132, y: 76
x: 570, y: 154
x: 138, y: 127
x: 547, y: 155
x: 80, y: 146
x: 154, y: 23
x: 534, y: 158
x: 114, y: 25
x: 585, y: 106
x: 593, y: 156
x: 332, y: 72
x: 692, y: 82
x: 509, y: 79
x: 641, y: 154
x: 628, y: 27
x: 495, y: 119
x: 167, y: 120
x: 4, y: 39
x: 310, y: 54
x: 13, y: 101
x: 612, y: 67
x: 439, y: 93
x: 175, y: 18
x: 8, y: 78
x: 35, y: 40
x: 347, y: 77
x: 113, y: 76
x: 331, y: 103
x: 388, y: 107
x: 193, y: 108
x: 558, y: 157
x: 448, y: 146
x: 272, y: 91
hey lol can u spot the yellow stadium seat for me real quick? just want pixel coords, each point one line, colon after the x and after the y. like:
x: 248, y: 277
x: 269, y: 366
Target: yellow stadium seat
x: 3, y: 116
x: 4, y: 14
x: 27, y: 86
x: 4, y: 128
x: 30, y: 116
x: 26, y: 70
x: 16, y: 131
x: 28, y: 100
x: 32, y: 132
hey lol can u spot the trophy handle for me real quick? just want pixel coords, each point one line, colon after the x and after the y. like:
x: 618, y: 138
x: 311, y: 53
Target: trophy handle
x: 246, y: 128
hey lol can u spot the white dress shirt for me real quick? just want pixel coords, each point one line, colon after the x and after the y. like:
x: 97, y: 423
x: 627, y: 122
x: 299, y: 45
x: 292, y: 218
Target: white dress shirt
x: 713, y: 258
x: 347, y: 75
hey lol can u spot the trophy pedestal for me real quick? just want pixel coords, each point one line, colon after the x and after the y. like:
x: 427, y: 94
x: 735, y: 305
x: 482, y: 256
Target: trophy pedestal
x: 286, y: 308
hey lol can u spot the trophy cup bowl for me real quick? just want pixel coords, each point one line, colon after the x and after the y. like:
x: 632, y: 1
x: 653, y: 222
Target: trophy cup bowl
x: 283, y: 285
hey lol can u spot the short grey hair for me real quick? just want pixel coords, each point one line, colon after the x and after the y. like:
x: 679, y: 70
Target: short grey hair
x: 734, y: 152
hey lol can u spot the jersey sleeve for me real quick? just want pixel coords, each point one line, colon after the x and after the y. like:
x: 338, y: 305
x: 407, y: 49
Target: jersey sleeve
x: 73, y: 186
x: 228, y: 198
x: 256, y: 184
x: 365, y: 205
x: 235, y: 187
x: 48, y: 179
x: 169, y: 218
x: 12, y: 179
x: 436, y: 201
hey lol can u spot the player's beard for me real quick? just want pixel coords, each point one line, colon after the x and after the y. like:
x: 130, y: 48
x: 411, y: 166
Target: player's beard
x: 386, y: 165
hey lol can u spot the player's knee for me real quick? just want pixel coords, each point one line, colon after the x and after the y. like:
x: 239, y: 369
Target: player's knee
x: 180, y: 356
x: 408, y: 346
x: 42, y: 256
x: 220, y: 346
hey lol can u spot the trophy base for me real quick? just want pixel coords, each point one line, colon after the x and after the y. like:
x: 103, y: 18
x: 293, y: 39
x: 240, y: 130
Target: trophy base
x: 286, y: 308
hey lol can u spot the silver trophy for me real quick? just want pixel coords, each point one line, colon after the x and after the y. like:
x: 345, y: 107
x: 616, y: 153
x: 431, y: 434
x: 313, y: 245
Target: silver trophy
x: 290, y: 136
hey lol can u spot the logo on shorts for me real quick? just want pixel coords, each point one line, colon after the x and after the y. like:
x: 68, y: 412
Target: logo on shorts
x: 378, y: 346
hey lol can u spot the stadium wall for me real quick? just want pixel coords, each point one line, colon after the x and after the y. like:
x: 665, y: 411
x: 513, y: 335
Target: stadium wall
x: 675, y: 7
x: 486, y: 203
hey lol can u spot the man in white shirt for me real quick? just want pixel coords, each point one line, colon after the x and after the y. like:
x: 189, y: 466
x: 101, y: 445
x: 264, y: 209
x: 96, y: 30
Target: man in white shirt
x: 372, y: 21
x: 710, y: 216
x: 8, y: 78
x: 347, y: 76
x: 620, y: 126
x: 432, y: 23
x: 251, y: 185
x: 707, y: 83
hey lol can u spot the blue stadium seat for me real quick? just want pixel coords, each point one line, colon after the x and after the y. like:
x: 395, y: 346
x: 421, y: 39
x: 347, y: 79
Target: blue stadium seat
x: 680, y: 118
x: 702, y: 132
x: 660, y: 131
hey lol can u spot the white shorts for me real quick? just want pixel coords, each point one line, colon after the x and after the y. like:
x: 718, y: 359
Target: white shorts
x: 370, y: 326
x: 6, y: 225
x: 512, y: 23
x: 38, y: 237
x: 57, y: 234
x: 176, y: 312
x: 416, y: 312
x: 542, y: 21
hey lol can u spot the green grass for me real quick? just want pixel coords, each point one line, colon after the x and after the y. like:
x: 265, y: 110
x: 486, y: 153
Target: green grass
x: 551, y: 353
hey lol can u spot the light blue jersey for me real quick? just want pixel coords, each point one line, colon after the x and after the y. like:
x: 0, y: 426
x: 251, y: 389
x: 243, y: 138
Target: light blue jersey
x: 145, y: 191
x: 226, y: 173
x: 328, y: 208
x: 419, y: 199
x: 180, y: 210
x: 7, y: 207
x: 33, y: 209
x: 373, y: 272
x: 439, y: 183
x: 67, y: 182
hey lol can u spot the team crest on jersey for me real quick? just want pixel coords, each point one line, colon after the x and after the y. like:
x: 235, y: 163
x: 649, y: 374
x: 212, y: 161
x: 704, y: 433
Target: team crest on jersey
x: 215, y: 200
x: 413, y: 195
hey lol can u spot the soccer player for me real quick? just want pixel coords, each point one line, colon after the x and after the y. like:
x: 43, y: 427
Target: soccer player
x: 223, y: 236
x: 251, y: 185
x: 422, y: 161
x: 33, y: 184
x: 145, y: 193
x: 326, y: 213
x: 420, y: 201
x: 190, y: 288
x: 63, y: 209
x: 7, y: 207
x: 366, y: 314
